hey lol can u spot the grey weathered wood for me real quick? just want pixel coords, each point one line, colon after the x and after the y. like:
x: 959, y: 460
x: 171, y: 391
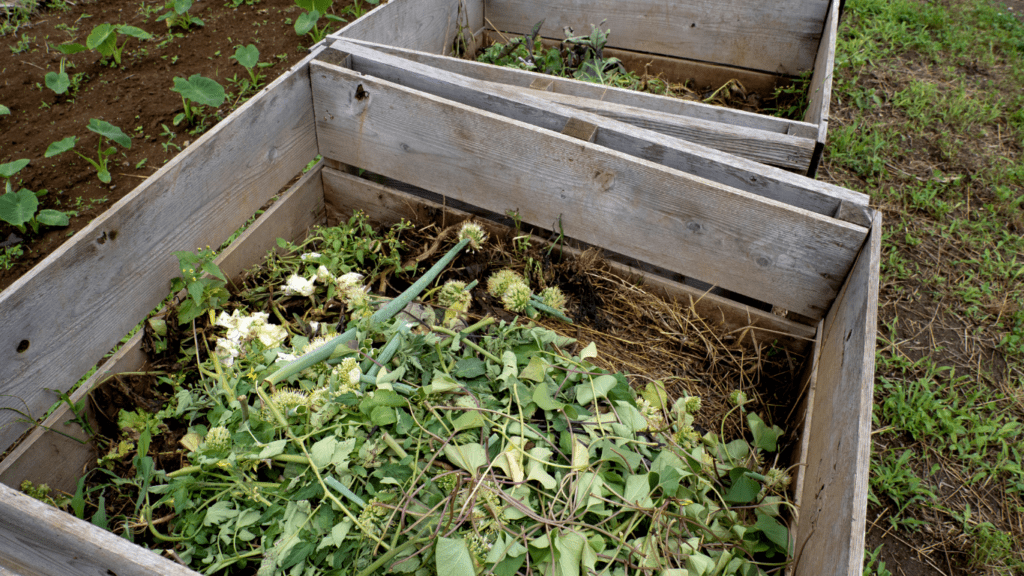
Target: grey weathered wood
x: 609, y: 94
x: 427, y: 25
x: 38, y: 539
x: 344, y: 193
x: 779, y: 37
x: 830, y: 534
x: 534, y: 108
x: 742, y: 242
x: 51, y: 458
x: 76, y: 304
x: 821, y: 83
x: 801, y: 419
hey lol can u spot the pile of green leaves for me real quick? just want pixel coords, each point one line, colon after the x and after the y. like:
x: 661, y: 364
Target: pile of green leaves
x: 416, y: 448
x: 579, y: 57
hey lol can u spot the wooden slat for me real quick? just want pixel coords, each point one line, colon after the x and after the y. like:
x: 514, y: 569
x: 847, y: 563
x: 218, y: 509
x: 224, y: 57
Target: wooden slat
x: 39, y: 540
x: 801, y: 420
x: 609, y: 94
x: 830, y: 534
x: 344, y: 193
x: 75, y: 305
x: 744, y: 243
x: 821, y: 83
x: 536, y: 108
x: 51, y: 458
x: 779, y: 37
x: 427, y: 25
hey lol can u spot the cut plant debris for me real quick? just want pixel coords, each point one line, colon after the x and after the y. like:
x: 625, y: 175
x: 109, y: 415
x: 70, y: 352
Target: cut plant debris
x: 314, y: 425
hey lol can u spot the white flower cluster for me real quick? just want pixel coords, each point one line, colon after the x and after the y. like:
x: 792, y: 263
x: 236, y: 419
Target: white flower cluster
x: 243, y: 328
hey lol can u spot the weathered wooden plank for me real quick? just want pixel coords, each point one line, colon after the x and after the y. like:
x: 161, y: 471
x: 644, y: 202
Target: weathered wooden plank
x: 830, y: 534
x: 536, y: 108
x: 779, y: 37
x: 821, y: 82
x: 800, y: 419
x: 742, y: 242
x: 38, y: 539
x: 609, y: 94
x: 48, y: 457
x: 427, y: 25
x: 61, y: 317
x: 344, y: 193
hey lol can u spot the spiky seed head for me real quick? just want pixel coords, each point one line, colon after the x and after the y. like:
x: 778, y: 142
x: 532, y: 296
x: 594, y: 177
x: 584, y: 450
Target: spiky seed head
x: 516, y: 297
x: 474, y: 233
x: 499, y: 282
x: 218, y: 438
x: 553, y: 297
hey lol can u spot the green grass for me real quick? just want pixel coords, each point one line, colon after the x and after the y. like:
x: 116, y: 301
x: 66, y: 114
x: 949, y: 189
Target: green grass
x: 928, y: 118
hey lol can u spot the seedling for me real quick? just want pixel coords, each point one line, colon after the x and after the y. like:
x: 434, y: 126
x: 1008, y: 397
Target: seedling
x: 4, y: 110
x: 197, y: 90
x: 20, y: 208
x: 59, y: 82
x: 307, y: 22
x: 177, y: 15
x: 356, y: 9
x: 106, y: 132
x: 249, y: 58
x: 103, y: 39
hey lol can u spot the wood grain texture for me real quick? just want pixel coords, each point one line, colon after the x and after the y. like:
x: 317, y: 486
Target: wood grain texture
x: 537, y: 108
x: 570, y: 87
x: 76, y: 304
x: 801, y: 420
x: 37, y: 539
x: 830, y: 534
x: 821, y: 80
x: 744, y: 243
x: 427, y: 25
x: 48, y: 457
x: 779, y: 37
x: 344, y: 193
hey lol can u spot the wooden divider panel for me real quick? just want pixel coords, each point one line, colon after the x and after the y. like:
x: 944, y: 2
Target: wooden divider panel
x: 821, y: 83
x: 427, y: 25
x: 780, y: 36
x: 608, y: 94
x: 833, y: 506
x: 536, y: 108
x: 72, y: 308
x: 744, y: 243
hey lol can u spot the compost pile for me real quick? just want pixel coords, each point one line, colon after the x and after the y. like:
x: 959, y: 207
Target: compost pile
x: 582, y: 57
x: 438, y: 429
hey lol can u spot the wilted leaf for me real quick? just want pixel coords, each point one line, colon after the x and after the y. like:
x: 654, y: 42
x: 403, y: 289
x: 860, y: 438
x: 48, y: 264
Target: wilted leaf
x: 220, y: 512
x: 273, y: 449
x: 452, y: 557
x: 598, y: 388
x: 542, y: 397
x: 200, y: 89
x: 469, y: 457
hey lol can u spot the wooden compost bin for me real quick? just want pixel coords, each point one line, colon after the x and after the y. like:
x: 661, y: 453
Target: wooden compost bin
x: 760, y: 232
x: 761, y: 44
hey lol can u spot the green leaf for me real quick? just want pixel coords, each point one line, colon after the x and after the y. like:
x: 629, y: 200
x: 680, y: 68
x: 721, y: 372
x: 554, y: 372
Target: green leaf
x: 4, y: 110
x: 247, y: 56
x: 534, y: 370
x: 470, y: 419
x: 510, y: 565
x: 220, y: 512
x: 470, y: 368
x: 744, y: 489
x: 200, y: 89
x: 60, y: 146
x: 452, y: 557
x: 655, y: 394
x: 638, y: 489
x: 57, y: 81
x: 323, y: 451
x: 52, y: 218
x: 305, y: 22
x: 765, y: 438
x: 599, y: 388
x: 182, y: 6
x: 99, y: 519
x: 542, y: 397
x: 104, y: 175
x: 100, y: 38
x: 273, y: 449
x: 195, y: 290
x: 469, y: 457
x: 699, y: 564
x: 771, y: 528
x: 383, y: 416
x: 570, y: 546
x: 17, y: 208
x: 133, y: 32
x: 297, y: 554
x: 212, y: 269
x: 535, y: 467
x: 71, y: 48
x: 12, y: 168
x: 320, y: 6
x: 109, y: 131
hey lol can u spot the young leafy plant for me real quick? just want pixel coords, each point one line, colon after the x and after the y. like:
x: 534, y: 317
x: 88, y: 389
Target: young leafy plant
x: 4, y: 110
x: 103, y: 39
x: 197, y: 89
x: 306, y: 24
x: 59, y: 82
x: 177, y: 15
x: 106, y: 131
x: 22, y: 207
x: 249, y: 58
x: 204, y: 292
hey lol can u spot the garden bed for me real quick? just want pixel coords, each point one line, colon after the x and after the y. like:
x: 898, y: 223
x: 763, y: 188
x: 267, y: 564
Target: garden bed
x: 788, y: 242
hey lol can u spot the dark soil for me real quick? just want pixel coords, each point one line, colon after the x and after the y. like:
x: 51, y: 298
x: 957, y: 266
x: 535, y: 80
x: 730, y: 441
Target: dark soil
x: 135, y: 97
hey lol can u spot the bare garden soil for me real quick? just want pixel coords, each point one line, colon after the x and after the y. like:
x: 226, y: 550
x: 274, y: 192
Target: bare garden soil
x: 135, y: 97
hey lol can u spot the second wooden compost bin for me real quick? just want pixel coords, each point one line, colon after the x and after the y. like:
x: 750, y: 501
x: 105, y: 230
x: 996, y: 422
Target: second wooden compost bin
x: 759, y: 232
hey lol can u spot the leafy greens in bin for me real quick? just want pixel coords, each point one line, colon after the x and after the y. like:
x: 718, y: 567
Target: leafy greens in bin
x: 413, y: 445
